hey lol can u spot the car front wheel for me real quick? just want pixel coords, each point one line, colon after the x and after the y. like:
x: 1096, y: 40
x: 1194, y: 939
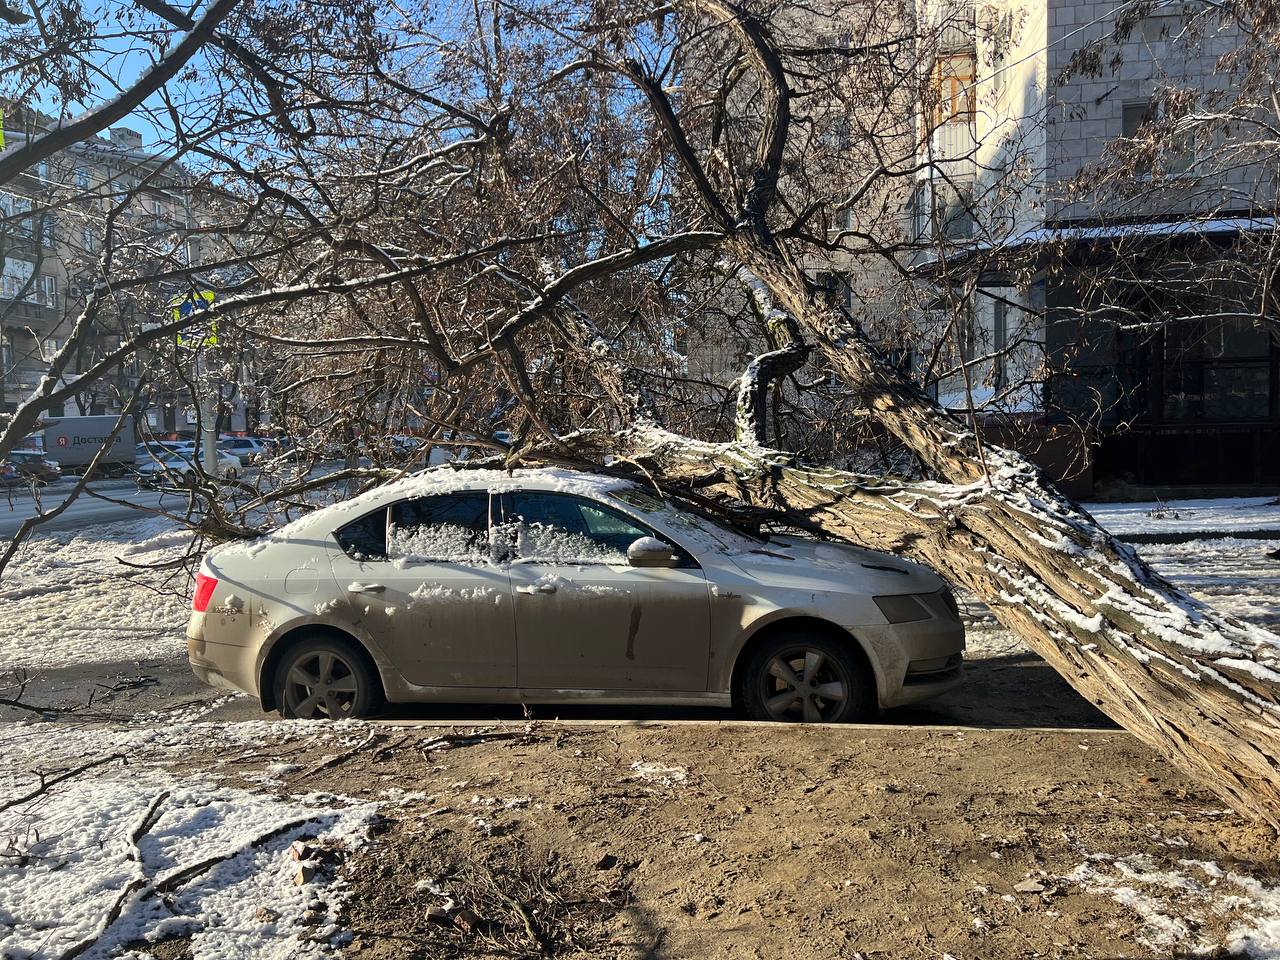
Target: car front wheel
x: 325, y: 678
x: 798, y: 676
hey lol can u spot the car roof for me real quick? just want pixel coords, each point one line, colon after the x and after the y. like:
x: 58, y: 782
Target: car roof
x: 453, y: 479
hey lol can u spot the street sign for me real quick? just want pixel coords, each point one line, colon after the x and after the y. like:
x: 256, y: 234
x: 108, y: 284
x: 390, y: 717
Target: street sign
x: 187, y: 308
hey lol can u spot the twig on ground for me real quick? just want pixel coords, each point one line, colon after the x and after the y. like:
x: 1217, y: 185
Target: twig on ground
x: 346, y: 755
x: 52, y: 780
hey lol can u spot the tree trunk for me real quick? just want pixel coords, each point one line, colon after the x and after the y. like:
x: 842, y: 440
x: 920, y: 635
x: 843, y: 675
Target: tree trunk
x: 1202, y: 688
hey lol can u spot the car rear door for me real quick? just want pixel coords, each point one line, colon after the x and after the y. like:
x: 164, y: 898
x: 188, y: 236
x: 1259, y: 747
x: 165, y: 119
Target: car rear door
x: 431, y: 593
x: 587, y: 620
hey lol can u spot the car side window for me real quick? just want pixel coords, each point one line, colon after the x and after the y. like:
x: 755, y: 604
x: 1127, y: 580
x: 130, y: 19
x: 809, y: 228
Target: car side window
x: 556, y: 528
x: 452, y: 528
x: 366, y: 538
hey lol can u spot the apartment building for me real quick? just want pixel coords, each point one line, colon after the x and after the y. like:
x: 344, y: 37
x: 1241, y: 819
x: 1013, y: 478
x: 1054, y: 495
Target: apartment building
x: 1123, y: 309
x: 53, y: 224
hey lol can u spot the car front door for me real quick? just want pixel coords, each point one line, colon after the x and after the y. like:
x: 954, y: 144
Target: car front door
x: 431, y: 592
x: 585, y: 618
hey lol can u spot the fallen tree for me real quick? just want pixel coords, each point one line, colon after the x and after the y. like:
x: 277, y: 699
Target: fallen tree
x: 526, y: 238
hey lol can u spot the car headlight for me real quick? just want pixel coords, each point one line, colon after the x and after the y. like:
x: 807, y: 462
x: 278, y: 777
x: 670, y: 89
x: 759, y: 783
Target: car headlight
x: 902, y: 608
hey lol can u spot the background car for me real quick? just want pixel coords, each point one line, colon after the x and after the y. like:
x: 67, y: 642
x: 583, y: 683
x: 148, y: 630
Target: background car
x: 248, y: 449
x: 175, y: 466
x: 9, y: 475
x: 552, y: 586
x: 34, y: 467
x: 145, y: 450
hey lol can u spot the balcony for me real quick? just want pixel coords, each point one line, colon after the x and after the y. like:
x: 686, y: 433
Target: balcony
x: 25, y: 376
x: 953, y: 140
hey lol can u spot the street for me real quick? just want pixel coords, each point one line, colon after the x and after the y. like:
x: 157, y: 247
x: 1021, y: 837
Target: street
x: 18, y: 505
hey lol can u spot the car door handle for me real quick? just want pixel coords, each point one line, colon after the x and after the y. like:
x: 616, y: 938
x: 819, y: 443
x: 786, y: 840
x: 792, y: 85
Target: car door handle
x: 366, y: 588
x: 537, y: 588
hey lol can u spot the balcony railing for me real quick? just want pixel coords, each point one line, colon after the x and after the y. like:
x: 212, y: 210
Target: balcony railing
x: 25, y: 376
x: 953, y: 140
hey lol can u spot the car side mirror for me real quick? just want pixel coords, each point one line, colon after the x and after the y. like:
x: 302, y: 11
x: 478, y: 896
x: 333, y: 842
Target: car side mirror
x: 650, y: 552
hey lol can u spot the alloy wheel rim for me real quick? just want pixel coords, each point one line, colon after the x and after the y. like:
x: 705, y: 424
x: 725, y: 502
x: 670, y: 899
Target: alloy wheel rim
x: 320, y: 685
x: 803, y: 683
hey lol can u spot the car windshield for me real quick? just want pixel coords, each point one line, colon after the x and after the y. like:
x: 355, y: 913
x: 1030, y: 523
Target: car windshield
x: 690, y: 520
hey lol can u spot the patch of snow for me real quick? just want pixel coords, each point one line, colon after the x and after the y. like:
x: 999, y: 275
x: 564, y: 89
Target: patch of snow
x: 656, y: 772
x: 71, y: 856
x: 1223, y: 515
x: 1173, y: 900
x: 65, y: 599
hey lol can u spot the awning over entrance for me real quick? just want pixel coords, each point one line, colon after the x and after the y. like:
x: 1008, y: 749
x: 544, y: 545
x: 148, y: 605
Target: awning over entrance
x: 1033, y: 248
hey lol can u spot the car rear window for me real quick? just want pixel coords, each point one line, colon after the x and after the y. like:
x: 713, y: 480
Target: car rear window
x: 366, y: 538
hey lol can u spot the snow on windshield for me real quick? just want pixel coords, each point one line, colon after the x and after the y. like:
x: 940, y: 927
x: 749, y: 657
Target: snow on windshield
x: 696, y: 530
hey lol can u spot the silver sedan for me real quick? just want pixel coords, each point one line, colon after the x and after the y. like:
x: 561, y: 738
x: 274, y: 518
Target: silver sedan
x: 551, y: 586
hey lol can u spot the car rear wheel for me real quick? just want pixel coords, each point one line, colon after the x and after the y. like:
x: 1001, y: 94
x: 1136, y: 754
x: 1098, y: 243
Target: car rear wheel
x: 807, y: 678
x: 325, y: 678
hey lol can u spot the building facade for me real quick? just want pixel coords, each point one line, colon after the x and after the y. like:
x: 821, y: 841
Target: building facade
x: 56, y: 219
x: 1120, y: 311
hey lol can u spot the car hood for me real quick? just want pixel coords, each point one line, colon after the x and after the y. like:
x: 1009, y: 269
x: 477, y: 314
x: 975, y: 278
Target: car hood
x: 792, y: 562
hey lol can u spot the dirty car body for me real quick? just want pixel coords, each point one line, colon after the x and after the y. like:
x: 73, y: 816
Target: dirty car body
x: 551, y: 586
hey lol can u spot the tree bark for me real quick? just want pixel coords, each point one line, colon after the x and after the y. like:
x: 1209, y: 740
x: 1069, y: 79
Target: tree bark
x: 1195, y: 685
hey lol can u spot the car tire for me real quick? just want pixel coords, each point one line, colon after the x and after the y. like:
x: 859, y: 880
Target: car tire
x: 776, y: 682
x: 350, y: 689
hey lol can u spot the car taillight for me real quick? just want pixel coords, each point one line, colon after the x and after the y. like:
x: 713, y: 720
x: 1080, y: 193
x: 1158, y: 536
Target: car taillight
x: 204, y: 592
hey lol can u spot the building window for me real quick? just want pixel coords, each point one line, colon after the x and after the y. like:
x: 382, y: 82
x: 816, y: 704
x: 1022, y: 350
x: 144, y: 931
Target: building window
x: 943, y: 210
x: 15, y: 210
x: 15, y: 277
x: 49, y: 290
x: 82, y: 178
x: 1000, y: 339
x: 953, y: 76
x: 1175, y: 152
x: 88, y: 240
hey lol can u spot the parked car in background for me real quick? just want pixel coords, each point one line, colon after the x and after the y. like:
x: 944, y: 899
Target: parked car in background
x: 179, y: 466
x: 412, y: 449
x: 552, y: 586
x: 9, y: 475
x: 248, y: 449
x: 34, y: 467
x: 144, y: 451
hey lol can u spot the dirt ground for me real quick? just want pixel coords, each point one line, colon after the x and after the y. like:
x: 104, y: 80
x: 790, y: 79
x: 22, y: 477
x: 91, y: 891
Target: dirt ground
x: 732, y: 840
x: 1005, y: 691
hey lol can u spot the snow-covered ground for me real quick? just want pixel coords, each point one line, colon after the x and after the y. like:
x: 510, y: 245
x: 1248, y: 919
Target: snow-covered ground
x: 1228, y: 515
x: 66, y: 598
x: 129, y: 852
